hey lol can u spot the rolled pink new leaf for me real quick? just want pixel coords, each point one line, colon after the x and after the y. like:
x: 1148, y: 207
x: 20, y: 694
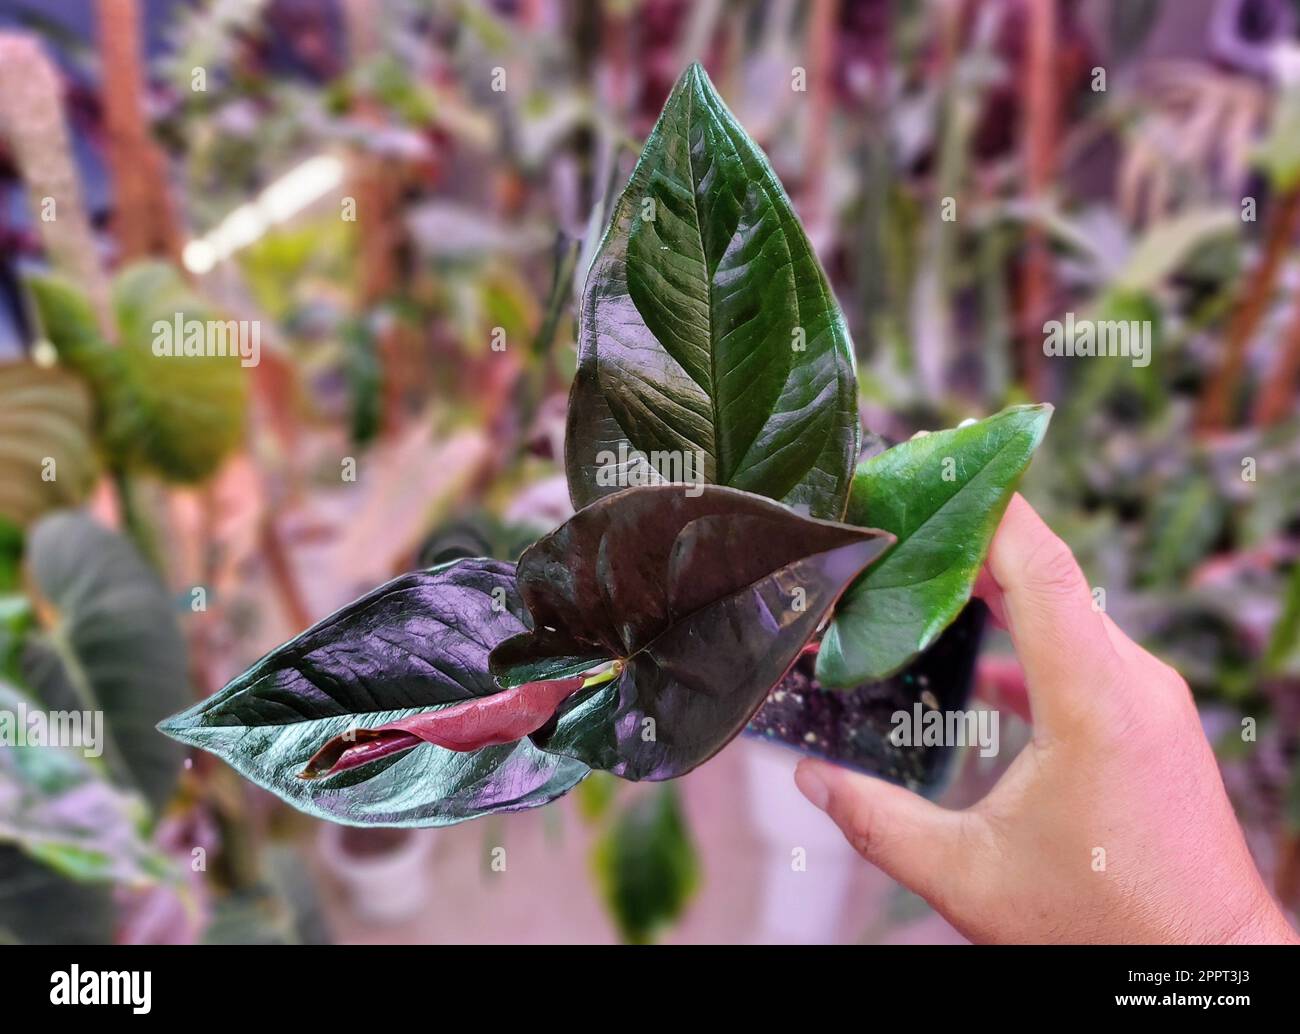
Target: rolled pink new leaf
x: 470, y: 725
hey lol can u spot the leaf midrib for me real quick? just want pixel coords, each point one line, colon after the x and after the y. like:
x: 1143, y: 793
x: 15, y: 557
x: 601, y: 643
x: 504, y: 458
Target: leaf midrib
x: 715, y: 413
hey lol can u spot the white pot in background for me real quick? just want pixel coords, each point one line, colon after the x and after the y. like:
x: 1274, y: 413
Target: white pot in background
x: 386, y: 887
x: 799, y: 906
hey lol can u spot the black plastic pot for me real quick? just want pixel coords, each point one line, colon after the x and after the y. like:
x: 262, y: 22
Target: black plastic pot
x: 852, y: 726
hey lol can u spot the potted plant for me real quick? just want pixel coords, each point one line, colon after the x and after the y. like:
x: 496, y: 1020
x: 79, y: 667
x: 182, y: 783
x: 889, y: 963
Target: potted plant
x: 722, y: 531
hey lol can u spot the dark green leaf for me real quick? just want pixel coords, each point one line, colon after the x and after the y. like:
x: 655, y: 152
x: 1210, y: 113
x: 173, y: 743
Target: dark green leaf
x: 708, y: 332
x: 115, y: 645
x: 1187, y: 516
x: 706, y: 600
x: 180, y: 415
x: 414, y: 645
x: 365, y: 378
x: 646, y: 865
x: 942, y: 495
x: 16, y: 619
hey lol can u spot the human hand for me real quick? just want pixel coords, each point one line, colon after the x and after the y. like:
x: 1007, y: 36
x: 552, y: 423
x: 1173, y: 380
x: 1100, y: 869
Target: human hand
x: 1112, y: 825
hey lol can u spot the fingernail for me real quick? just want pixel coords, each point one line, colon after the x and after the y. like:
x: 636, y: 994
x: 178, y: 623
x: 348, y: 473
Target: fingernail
x: 811, y: 785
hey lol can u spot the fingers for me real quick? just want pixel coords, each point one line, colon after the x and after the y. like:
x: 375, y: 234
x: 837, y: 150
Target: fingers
x: 904, y: 834
x: 1043, y: 599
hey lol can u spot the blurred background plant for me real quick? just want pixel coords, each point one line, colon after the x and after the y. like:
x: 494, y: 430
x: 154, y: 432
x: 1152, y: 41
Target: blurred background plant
x: 405, y: 196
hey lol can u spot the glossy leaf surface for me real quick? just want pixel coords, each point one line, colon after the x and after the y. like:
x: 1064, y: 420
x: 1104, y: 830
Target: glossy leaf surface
x: 414, y: 645
x: 708, y: 332
x: 707, y: 600
x: 942, y: 495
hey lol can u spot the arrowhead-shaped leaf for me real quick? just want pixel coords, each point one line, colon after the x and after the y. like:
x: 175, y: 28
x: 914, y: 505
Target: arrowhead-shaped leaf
x: 708, y: 332
x: 942, y: 495
x: 414, y: 646
x: 706, y: 601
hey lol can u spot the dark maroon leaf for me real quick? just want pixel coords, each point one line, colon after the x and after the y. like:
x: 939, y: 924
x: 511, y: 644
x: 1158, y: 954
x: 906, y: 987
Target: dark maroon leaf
x: 706, y: 599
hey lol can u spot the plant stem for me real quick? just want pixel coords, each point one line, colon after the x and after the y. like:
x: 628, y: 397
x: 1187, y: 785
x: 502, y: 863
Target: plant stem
x: 1277, y: 394
x: 1216, y: 404
x: 144, y: 220
x: 608, y: 674
x: 1040, y: 107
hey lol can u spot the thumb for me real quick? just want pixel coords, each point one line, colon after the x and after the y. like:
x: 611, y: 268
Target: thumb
x: 1042, y: 597
x: 912, y: 839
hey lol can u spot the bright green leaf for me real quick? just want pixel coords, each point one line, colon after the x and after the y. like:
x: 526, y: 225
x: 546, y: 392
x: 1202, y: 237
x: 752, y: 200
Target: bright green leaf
x: 942, y: 495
